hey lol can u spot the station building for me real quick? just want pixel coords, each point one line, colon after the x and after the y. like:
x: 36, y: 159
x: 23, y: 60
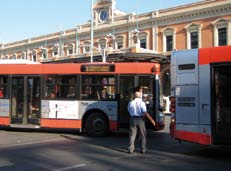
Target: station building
x: 121, y: 36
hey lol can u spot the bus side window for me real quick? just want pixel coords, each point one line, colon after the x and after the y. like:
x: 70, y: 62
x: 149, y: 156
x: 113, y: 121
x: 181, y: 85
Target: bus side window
x: 4, y: 92
x: 98, y: 87
x: 63, y: 86
x: 1, y: 92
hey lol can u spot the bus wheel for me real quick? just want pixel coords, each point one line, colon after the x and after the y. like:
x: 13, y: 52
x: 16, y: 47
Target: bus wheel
x: 97, y: 125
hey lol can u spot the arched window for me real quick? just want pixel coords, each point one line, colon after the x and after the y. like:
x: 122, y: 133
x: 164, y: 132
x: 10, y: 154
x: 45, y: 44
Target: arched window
x: 222, y: 35
x: 143, y: 37
x: 44, y: 53
x: 169, y: 41
x: 70, y: 49
x: 86, y: 47
x: 119, y: 42
x: 55, y: 51
x: 34, y: 56
x: 102, y: 44
x: 14, y: 56
x: 23, y: 55
x: 193, y: 36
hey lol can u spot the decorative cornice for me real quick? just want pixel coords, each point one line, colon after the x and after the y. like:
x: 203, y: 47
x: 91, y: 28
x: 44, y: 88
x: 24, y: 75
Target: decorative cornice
x: 214, y: 11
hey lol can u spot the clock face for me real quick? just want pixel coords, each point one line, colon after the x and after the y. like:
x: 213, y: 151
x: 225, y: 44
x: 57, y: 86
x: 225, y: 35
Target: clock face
x: 103, y: 15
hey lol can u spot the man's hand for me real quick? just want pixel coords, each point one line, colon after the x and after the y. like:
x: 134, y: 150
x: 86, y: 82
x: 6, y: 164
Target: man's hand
x: 150, y: 119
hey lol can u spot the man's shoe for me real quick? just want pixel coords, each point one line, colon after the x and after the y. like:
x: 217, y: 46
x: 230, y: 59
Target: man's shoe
x: 130, y: 151
x: 143, y: 151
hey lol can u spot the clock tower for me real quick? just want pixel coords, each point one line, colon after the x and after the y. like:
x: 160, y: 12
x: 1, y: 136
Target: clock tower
x: 103, y: 11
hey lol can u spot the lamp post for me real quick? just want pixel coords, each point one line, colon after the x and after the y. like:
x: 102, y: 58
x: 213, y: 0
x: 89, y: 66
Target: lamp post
x: 92, y: 33
x: 60, y: 43
x: 136, y: 31
x: 77, y: 44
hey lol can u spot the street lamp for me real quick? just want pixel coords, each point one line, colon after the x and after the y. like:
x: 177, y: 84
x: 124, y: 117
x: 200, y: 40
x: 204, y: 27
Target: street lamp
x: 77, y: 44
x: 112, y: 37
x: 136, y: 32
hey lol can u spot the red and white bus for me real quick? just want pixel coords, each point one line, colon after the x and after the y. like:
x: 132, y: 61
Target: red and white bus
x: 89, y: 97
x: 201, y: 95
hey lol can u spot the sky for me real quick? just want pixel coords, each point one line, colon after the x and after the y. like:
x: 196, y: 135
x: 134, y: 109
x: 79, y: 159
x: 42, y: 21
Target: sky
x: 24, y: 19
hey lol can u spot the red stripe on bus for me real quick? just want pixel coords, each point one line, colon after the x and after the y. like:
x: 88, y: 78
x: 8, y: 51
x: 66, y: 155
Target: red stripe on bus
x: 120, y: 68
x: 4, y: 121
x: 61, y: 123
x: 131, y: 68
x: 195, y: 137
x: 215, y: 55
x: 64, y: 123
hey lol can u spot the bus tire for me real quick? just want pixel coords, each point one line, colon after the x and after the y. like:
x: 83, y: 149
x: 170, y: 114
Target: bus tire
x: 97, y: 125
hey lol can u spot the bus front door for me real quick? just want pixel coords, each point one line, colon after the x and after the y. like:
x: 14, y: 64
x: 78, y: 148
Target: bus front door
x: 222, y: 103
x: 126, y: 90
x: 25, y: 100
x: 127, y: 85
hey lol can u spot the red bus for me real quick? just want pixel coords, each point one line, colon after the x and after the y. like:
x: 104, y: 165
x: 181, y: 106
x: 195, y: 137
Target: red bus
x: 200, y: 95
x: 88, y: 97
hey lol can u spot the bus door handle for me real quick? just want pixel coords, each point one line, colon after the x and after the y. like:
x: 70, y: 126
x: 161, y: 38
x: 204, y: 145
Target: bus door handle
x: 205, y: 107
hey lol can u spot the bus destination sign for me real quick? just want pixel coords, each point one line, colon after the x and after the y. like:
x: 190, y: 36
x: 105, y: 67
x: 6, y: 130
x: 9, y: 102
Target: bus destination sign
x: 98, y: 68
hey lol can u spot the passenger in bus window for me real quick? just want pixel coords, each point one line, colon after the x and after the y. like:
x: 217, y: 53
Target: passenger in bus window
x: 53, y: 95
x: 71, y: 92
x: 104, y: 94
x: 1, y: 92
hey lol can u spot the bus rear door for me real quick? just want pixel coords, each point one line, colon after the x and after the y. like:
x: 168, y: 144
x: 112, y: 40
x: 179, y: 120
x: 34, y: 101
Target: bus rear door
x: 25, y: 100
x: 222, y: 104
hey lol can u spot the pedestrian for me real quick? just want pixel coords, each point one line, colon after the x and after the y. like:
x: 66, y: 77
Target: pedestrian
x: 137, y: 110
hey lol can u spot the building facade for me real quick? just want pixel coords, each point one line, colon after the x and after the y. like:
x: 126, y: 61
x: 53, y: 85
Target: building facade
x: 205, y: 23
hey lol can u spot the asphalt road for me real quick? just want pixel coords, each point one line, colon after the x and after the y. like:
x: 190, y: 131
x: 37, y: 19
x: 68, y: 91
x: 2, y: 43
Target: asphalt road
x: 68, y: 151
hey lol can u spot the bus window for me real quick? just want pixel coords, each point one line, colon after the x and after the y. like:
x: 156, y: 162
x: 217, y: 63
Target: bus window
x: 126, y: 86
x: 98, y: 87
x: 147, y: 85
x: 4, y: 93
x: 60, y: 86
x: 33, y: 99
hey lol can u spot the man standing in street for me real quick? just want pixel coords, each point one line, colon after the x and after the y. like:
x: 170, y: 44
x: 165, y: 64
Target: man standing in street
x: 138, y: 111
